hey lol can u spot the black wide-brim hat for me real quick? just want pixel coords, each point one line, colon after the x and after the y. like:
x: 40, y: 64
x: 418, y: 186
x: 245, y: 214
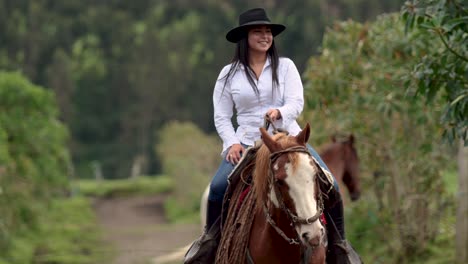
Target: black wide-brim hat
x: 256, y: 16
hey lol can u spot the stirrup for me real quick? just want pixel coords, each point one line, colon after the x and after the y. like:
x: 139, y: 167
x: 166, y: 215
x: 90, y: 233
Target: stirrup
x: 344, y: 253
x: 203, y: 250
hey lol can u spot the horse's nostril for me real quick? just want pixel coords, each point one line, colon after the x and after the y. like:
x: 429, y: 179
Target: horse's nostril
x: 315, y: 241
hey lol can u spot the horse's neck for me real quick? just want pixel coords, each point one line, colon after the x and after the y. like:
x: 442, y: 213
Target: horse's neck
x: 334, y: 160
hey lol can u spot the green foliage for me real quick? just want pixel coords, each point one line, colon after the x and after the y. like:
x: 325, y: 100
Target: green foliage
x: 142, y: 185
x: 189, y: 158
x: 67, y: 233
x: 368, y: 229
x: 358, y: 88
x: 34, y: 160
x: 451, y: 181
x: 363, y: 220
x: 443, y: 70
x: 73, y: 235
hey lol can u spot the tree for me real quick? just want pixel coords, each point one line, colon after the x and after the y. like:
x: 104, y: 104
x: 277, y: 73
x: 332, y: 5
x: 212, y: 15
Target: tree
x: 356, y: 86
x: 445, y: 71
x: 34, y: 160
x: 442, y: 70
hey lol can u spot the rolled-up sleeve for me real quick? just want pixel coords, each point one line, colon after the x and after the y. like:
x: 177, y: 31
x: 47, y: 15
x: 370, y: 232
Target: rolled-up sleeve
x: 293, y: 95
x: 223, y: 106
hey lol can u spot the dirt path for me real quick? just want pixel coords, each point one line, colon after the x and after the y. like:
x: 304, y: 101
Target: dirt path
x: 138, y: 230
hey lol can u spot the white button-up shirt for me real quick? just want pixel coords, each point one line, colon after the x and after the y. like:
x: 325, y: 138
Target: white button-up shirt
x: 288, y: 98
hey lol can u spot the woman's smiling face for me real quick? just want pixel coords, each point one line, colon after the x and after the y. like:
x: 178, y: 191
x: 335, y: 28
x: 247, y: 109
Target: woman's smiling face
x: 260, y: 38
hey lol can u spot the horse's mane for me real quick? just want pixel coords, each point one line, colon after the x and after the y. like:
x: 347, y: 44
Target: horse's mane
x: 262, y: 166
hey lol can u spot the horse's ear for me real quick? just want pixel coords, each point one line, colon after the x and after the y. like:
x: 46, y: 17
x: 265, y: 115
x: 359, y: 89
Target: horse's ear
x: 303, y: 136
x: 333, y: 138
x: 271, y: 144
x: 351, y: 139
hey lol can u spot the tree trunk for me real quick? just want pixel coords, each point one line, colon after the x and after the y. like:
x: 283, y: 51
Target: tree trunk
x: 462, y: 208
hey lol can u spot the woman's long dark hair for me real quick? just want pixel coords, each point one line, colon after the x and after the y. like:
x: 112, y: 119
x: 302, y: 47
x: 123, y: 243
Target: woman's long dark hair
x: 241, y: 57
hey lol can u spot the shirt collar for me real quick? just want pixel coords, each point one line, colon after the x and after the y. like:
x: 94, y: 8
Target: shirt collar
x: 267, y: 64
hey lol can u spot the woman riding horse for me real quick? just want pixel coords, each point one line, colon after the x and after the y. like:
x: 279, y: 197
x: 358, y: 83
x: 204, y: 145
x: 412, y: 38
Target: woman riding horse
x: 275, y: 91
x: 279, y: 220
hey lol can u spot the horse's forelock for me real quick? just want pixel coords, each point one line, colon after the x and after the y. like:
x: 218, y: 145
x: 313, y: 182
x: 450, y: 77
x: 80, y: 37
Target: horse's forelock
x: 262, y: 166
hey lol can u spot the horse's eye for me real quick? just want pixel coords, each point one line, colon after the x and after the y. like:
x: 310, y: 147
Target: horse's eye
x: 280, y: 182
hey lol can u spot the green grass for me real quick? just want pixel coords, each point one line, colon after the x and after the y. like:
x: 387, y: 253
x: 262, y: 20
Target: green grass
x: 72, y: 235
x: 143, y: 185
x: 67, y: 231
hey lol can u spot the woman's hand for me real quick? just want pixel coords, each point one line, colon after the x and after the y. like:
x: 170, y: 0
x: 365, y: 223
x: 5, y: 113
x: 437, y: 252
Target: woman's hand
x: 234, y: 153
x: 274, y: 114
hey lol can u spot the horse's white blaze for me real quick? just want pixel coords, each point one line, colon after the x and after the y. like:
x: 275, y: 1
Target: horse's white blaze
x: 302, y: 191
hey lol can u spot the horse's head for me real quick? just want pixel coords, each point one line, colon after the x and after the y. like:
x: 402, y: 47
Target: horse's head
x: 351, y: 167
x: 285, y: 177
x: 342, y: 159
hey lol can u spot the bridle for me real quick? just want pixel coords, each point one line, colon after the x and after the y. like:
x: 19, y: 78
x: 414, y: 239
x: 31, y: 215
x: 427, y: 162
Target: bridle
x: 295, y: 219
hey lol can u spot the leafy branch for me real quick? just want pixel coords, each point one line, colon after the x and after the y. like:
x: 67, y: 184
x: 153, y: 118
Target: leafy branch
x: 442, y: 69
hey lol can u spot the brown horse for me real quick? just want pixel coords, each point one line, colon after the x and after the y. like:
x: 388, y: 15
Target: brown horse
x: 342, y: 160
x: 287, y: 206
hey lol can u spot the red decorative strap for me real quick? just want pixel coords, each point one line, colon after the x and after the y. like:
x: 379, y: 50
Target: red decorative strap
x: 242, y: 196
x: 322, y: 219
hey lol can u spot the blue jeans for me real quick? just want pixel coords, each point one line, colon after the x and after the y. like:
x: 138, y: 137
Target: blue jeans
x: 219, y: 183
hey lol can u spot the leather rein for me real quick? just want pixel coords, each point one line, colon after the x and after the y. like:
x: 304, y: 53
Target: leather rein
x: 295, y: 219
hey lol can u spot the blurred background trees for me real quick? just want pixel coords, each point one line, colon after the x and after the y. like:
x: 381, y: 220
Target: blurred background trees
x: 189, y: 156
x: 359, y: 88
x: 121, y: 70
x: 132, y: 82
x: 445, y: 71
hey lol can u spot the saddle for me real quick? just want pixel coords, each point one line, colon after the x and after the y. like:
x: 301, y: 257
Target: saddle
x: 203, y: 250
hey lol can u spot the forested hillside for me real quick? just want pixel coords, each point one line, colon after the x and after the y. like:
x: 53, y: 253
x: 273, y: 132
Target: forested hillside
x: 122, y: 69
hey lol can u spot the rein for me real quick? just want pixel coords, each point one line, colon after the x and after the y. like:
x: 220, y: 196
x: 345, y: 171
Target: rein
x: 267, y: 122
x: 292, y: 217
x: 295, y: 219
